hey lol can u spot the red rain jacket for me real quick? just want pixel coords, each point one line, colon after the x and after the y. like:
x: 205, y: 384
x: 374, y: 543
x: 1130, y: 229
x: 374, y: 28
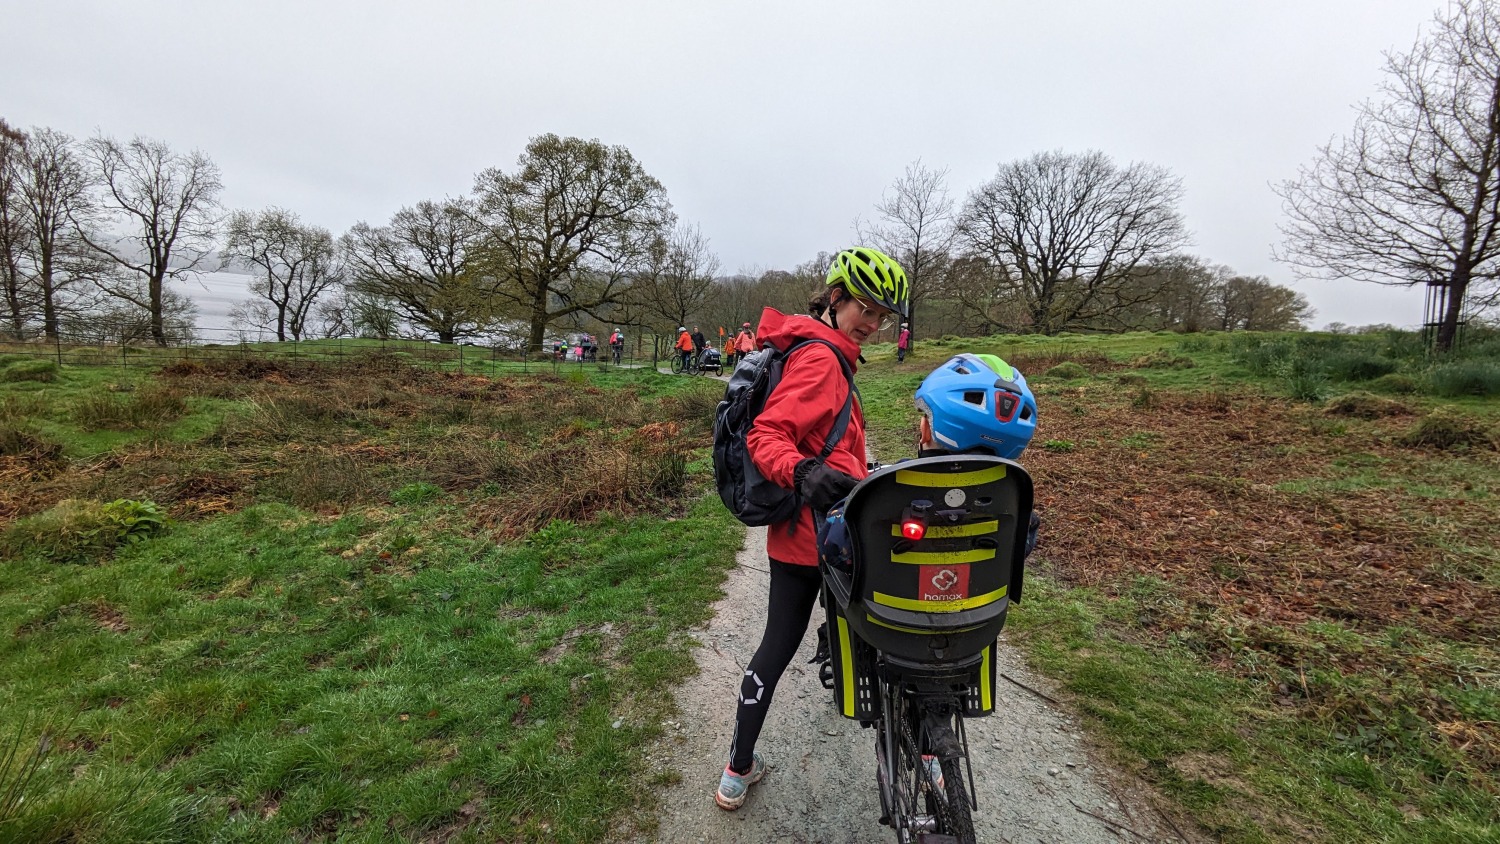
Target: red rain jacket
x: 798, y: 417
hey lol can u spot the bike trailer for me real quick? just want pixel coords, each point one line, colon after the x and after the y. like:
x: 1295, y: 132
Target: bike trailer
x: 937, y: 551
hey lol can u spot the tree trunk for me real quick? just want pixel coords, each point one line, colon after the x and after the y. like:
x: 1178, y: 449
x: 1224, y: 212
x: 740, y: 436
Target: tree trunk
x: 1458, y: 285
x: 446, y: 336
x: 49, y: 308
x: 158, y: 325
x: 538, y: 323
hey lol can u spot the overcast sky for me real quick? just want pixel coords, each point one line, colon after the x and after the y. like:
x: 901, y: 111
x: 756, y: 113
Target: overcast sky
x: 772, y: 124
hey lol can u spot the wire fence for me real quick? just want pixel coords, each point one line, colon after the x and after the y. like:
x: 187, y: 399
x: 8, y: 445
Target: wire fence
x: 462, y: 358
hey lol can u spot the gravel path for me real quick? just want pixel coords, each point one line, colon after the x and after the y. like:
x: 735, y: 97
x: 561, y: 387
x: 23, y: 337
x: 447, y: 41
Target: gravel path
x: 1035, y: 777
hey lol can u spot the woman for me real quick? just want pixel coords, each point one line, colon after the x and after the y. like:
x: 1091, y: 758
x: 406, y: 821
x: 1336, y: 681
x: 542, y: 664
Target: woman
x: 864, y: 292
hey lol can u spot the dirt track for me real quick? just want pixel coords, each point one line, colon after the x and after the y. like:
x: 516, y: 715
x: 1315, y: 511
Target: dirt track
x: 1035, y: 777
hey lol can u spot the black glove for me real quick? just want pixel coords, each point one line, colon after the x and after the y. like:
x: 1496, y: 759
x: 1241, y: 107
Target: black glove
x: 820, y: 486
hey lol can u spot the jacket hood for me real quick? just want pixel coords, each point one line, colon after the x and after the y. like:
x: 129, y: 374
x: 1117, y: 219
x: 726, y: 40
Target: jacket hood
x: 784, y: 331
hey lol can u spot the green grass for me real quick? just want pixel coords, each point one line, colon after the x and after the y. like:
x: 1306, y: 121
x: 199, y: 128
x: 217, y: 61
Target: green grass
x: 1228, y: 754
x: 1209, y: 705
x: 271, y: 674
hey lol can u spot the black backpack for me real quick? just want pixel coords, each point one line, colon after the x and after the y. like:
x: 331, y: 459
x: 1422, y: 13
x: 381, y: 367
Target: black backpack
x: 749, y: 496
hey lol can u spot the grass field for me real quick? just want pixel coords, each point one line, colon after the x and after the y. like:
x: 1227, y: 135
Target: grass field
x: 364, y: 603
x: 257, y: 598
x: 1280, y: 605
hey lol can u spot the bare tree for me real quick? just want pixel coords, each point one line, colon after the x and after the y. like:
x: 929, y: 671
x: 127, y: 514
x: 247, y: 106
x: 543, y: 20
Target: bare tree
x: 423, y: 265
x: 169, y: 203
x: 678, y: 276
x: 569, y: 228
x: 916, y: 228
x: 296, y: 264
x: 1069, y: 231
x: 1410, y: 196
x: 15, y: 232
x: 54, y: 188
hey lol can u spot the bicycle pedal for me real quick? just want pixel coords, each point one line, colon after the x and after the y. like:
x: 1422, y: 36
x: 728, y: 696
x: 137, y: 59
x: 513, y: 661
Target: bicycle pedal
x: 825, y: 675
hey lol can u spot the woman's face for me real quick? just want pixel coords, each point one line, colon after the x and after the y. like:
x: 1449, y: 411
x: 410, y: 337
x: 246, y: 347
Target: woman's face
x: 857, y: 318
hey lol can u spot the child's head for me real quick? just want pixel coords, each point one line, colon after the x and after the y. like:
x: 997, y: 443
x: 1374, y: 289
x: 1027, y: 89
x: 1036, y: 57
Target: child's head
x: 976, y: 404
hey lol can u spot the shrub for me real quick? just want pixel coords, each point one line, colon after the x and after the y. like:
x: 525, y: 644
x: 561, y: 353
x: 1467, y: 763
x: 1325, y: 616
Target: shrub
x: 1163, y: 359
x: 1465, y: 378
x: 1395, y: 383
x: 1364, y: 405
x: 1447, y: 429
x: 18, y: 441
x: 29, y: 370
x: 1067, y: 371
x: 1304, y: 378
x: 417, y: 493
x: 1261, y: 356
x: 1144, y: 399
x: 1355, y: 365
x: 1195, y: 343
x: 78, y: 530
x: 149, y: 407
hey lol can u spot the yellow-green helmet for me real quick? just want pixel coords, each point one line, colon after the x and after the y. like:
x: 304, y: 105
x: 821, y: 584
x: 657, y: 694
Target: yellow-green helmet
x: 873, y: 275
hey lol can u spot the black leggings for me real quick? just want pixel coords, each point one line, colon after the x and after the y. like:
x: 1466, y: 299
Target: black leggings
x: 794, y: 590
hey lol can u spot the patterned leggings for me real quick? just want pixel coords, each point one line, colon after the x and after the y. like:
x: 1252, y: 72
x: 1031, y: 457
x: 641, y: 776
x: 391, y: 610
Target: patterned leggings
x: 794, y: 590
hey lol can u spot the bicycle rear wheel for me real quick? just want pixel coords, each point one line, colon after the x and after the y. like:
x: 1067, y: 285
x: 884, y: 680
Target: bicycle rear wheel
x: 954, y: 817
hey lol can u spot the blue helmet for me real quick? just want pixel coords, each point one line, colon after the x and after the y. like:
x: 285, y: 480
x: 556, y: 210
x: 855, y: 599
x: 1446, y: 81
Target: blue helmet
x: 978, y: 402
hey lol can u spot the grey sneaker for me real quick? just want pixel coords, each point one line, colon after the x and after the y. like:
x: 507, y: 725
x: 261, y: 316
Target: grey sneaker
x: 733, y: 788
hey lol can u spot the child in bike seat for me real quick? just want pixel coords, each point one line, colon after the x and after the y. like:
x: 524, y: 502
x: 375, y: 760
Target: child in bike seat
x: 958, y: 417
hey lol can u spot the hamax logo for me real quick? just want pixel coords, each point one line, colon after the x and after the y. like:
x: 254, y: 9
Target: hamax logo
x: 945, y: 580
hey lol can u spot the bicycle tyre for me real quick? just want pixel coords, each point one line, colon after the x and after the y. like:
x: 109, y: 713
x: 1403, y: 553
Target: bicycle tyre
x: 676, y: 364
x: 957, y: 819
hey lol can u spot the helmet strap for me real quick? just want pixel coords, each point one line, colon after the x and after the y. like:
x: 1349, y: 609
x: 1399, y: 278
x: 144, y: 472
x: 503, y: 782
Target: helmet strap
x: 832, y: 314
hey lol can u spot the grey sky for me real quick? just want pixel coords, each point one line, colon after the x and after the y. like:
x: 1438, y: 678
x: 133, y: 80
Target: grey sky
x: 772, y: 124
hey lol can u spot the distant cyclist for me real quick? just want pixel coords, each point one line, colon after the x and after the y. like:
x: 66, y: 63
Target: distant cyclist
x: 865, y: 290
x: 685, y: 347
x: 617, y: 345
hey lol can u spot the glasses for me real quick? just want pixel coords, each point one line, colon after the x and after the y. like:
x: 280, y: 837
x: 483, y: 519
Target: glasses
x: 872, y: 314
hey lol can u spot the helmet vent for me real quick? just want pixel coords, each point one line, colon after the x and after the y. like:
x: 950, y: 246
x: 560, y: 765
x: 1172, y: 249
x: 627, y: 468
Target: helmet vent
x: 1026, y: 413
x: 974, y: 397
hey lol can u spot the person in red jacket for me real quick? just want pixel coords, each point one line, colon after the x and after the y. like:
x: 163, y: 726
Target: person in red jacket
x: 864, y: 292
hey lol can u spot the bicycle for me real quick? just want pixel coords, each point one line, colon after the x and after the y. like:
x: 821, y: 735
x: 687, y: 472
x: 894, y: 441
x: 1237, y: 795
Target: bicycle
x: 937, y: 550
x: 678, y: 367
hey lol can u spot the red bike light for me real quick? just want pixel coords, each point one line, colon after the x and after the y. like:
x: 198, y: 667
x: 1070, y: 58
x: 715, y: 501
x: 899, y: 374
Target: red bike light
x: 1006, y: 405
x: 913, y: 530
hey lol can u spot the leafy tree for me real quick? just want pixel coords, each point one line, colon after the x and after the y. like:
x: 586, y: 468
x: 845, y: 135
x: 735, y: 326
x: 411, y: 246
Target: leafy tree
x: 569, y: 228
x: 169, y: 203
x: 296, y: 263
x: 1255, y: 304
x: 423, y: 265
x: 1412, y: 194
x: 1068, y: 232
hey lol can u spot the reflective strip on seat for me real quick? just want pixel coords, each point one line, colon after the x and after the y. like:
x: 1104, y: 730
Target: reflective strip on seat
x: 944, y: 558
x: 846, y: 658
x: 939, y: 606
x: 940, y: 532
x: 912, y: 477
x: 986, y: 700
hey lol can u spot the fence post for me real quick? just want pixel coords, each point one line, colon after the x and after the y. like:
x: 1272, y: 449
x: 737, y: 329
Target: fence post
x: 460, y: 358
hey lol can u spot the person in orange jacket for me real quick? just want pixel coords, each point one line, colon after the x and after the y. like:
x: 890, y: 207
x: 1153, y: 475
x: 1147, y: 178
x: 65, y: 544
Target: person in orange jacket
x: 744, y: 342
x: 684, y: 346
x: 864, y: 291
